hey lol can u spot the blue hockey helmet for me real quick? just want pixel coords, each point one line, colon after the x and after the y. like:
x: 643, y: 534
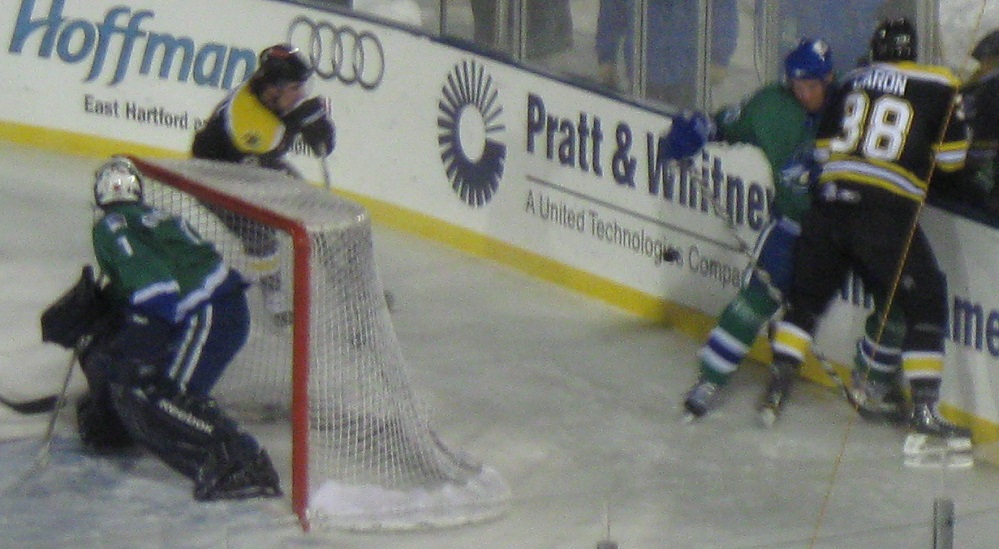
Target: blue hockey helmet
x: 811, y: 59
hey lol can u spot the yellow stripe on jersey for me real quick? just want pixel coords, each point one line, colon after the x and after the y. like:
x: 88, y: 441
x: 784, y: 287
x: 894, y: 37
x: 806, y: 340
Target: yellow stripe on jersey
x: 951, y: 156
x: 823, y: 149
x: 922, y: 365
x: 254, y: 128
x: 934, y: 73
x: 791, y: 340
x: 884, y: 175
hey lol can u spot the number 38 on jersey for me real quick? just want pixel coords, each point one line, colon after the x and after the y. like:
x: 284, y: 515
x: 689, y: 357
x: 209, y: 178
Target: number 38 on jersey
x: 890, y: 124
x: 875, y: 129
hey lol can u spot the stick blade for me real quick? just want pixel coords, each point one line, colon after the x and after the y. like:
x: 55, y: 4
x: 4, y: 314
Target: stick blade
x: 30, y: 407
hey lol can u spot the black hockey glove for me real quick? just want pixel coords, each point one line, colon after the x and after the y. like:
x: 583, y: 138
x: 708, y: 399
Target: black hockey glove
x: 310, y: 118
x: 82, y: 310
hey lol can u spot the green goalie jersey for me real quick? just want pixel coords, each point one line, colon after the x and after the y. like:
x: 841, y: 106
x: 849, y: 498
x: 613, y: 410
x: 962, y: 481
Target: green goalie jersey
x: 773, y: 120
x: 155, y: 262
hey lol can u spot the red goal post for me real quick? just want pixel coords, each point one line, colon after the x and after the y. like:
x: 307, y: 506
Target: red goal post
x: 363, y: 455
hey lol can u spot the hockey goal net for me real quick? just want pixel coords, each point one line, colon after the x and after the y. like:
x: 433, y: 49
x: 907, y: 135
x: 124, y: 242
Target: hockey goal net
x: 363, y: 454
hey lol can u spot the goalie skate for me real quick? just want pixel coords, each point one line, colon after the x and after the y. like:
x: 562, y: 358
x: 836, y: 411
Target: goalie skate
x: 253, y: 479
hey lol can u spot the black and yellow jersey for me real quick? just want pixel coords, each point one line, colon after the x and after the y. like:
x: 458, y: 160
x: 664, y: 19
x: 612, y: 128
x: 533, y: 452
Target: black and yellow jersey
x: 243, y: 129
x: 981, y: 95
x: 890, y: 124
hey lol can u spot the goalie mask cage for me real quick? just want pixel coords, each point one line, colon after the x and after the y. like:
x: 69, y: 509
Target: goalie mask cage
x: 363, y: 454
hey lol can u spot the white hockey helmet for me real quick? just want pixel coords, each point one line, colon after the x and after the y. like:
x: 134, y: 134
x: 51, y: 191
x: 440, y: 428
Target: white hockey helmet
x: 116, y: 181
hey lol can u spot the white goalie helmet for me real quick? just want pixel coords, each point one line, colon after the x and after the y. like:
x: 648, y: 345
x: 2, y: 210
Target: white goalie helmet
x: 117, y: 180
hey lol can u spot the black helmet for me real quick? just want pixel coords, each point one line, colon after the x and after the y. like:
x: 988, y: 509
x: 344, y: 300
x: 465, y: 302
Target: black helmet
x: 894, y: 40
x: 986, y: 47
x: 281, y: 64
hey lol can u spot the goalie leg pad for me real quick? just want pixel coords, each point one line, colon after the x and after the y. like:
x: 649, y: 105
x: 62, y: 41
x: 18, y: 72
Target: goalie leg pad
x: 179, y: 439
x: 192, y: 435
x: 100, y: 428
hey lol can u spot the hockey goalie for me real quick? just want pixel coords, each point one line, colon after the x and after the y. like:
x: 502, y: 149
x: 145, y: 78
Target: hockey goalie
x: 152, y: 340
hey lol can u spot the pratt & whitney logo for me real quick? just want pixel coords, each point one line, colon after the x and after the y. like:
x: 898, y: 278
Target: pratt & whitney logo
x: 469, y: 114
x: 120, y: 33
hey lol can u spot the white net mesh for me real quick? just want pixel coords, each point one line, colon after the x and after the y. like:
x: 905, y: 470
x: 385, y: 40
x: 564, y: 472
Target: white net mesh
x: 372, y: 459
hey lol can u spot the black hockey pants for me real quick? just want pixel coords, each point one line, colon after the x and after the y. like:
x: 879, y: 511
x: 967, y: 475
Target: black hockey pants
x: 868, y: 230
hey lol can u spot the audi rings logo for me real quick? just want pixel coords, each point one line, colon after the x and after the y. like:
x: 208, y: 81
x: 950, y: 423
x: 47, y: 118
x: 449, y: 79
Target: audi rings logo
x: 469, y: 114
x: 340, y: 53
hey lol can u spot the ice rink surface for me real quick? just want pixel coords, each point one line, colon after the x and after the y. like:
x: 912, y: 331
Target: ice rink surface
x: 576, y: 403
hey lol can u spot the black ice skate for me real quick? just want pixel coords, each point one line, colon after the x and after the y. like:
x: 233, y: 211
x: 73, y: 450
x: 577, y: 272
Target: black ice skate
x: 878, y: 402
x: 935, y: 442
x: 699, y: 399
x: 782, y: 374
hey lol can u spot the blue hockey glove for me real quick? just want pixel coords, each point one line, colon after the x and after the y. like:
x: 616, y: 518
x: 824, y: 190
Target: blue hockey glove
x: 687, y: 134
x: 801, y: 173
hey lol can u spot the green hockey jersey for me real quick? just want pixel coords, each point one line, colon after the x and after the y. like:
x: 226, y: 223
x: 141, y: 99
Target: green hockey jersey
x: 156, y: 262
x: 773, y: 120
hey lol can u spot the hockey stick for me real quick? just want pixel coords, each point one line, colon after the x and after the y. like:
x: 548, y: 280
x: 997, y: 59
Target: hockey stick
x: 44, y: 454
x: 42, y: 458
x: 745, y: 249
x: 31, y: 407
x: 957, y: 452
x: 327, y: 179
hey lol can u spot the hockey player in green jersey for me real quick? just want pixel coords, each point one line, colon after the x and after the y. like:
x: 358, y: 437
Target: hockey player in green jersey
x: 182, y: 317
x: 781, y: 119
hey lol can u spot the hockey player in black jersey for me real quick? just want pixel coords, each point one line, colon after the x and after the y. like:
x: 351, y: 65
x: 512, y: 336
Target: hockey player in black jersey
x: 257, y: 124
x: 973, y: 191
x: 891, y: 124
x: 981, y: 92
